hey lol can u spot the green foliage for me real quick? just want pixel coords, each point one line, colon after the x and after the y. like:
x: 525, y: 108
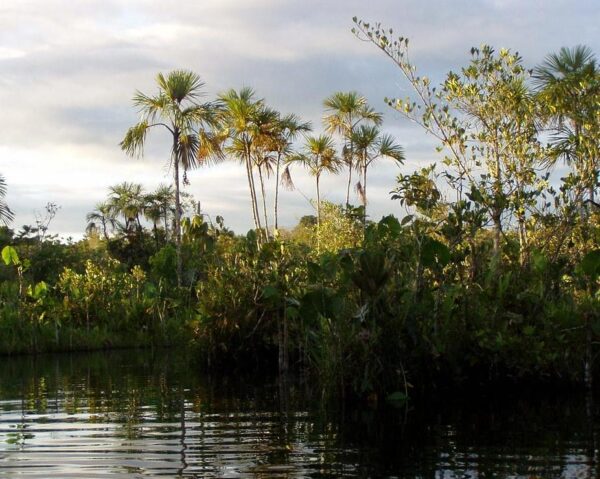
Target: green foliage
x: 10, y: 256
x: 163, y: 265
x: 492, y: 273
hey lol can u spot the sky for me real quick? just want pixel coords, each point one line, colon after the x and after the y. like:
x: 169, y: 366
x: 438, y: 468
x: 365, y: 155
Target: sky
x: 68, y: 71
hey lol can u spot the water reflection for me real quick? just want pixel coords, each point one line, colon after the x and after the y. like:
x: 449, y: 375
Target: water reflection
x: 138, y: 414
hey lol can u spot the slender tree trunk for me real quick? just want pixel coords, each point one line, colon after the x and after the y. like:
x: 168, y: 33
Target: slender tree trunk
x: 255, y: 201
x: 350, y: 165
x: 264, y: 201
x: 318, y: 203
x: 497, y: 235
x: 104, y: 229
x: 318, y: 215
x: 275, y: 212
x: 166, y: 226
x: 349, y: 183
x: 522, y: 240
x: 365, y: 195
x: 255, y: 215
x: 177, y: 208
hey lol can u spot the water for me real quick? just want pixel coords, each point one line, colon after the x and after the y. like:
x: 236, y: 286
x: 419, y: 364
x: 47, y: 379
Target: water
x: 134, y: 414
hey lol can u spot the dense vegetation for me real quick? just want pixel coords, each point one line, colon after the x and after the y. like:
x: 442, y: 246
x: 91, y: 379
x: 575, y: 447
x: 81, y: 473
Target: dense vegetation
x: 492, y: 274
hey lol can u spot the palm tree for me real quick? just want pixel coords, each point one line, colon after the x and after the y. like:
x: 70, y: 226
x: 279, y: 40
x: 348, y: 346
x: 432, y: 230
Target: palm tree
x: 153, y: 211
x: 238, y: 118
x: 104, y: 214
x: 264, y: 150
x: 344, y: 111
x: 164, y: 197
x: 6, y: 215
x: 127, y: 199
x: 286, y: 131
x: 175, y: 108
x: 318, y: 155
x: 568, y: 84
x: 370, y: 145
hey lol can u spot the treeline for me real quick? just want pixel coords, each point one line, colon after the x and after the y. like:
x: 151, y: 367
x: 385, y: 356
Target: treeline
x: 492, y: 274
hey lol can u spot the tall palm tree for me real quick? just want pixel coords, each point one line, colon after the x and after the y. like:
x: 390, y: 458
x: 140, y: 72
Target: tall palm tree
x: 568, y: 84
x: 264, y: 150
x: 238, y: 118
x: 319, y: 156
x: 370, y: 145
x: 6, y: 215
x: 104, y: 214
x: 344, y: 111
x: 286, y: 132
x: 176, y: 109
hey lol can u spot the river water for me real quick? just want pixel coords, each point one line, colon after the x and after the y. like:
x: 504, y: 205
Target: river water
x: 141, y: 414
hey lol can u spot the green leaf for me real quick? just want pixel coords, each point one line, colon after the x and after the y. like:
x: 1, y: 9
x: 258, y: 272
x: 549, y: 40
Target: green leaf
x: 10, y: 256
x: 434, y: 252
x: 590, y: 264
x: 40, y: 290
x: 539, y: 261
x: 391, y: 224
x: 270, y: 292
x: 407, y: 219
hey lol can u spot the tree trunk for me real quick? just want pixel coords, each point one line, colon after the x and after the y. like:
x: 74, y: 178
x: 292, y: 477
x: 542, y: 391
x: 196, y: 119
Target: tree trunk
x: 522, y: 241
x: 275, y: 212
x: 318, y: 215
x: 264, y: 202
x: 166, y: 226
x: 318, y: 203
x: 349, y: 183
x: 104, y: 229
x: 365, y: 195
x: 497, y: 235
x: 257, y: 224
x: 177, y: 209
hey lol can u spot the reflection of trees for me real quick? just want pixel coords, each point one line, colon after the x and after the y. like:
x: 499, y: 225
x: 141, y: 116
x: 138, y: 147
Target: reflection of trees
x: 148, y: 410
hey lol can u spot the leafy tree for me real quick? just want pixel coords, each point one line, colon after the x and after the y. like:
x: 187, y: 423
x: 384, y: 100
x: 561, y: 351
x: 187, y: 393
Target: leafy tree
x: 486, y: 121
x: 176, y: 108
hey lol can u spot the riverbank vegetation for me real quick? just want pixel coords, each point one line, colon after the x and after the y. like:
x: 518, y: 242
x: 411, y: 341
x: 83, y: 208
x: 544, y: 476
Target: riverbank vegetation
x: 493, y: 272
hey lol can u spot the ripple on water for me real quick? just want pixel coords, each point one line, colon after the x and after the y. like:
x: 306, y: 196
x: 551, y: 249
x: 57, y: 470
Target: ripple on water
x: 143, y: 416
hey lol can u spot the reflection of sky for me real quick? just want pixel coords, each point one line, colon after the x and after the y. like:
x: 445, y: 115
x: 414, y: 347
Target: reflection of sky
x: 119, y: 414
x: 68, y: 71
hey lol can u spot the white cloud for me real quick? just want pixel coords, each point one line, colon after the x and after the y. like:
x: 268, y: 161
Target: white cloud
x: 68, y: 71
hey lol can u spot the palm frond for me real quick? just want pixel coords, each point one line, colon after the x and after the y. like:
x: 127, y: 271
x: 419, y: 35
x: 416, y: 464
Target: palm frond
x: 360, y: 191
x: 133, y: 143
x: 286, y: 179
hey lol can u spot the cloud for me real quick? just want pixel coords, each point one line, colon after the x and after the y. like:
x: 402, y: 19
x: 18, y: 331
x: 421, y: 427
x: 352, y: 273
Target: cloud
x: 68, y: 71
